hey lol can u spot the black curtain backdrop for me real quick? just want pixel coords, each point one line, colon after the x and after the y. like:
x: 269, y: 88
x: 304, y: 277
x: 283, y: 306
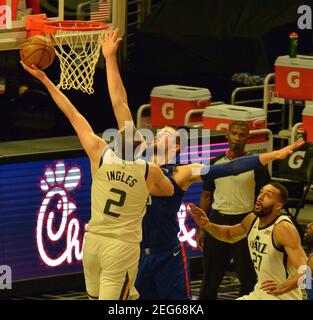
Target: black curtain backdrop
x: 217, y: 37
x: 204, y: 42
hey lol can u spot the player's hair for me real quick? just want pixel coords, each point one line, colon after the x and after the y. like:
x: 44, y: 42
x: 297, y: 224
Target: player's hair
x: 175, y: 129
x: 177, y: 140
x: 127, y: 143
x: 283, y: 192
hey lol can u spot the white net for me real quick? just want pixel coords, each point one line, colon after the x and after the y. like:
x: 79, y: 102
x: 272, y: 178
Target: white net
x: 78, y: 52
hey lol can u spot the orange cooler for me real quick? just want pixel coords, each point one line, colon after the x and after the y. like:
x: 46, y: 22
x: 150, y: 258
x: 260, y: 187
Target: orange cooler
x: 220, y: 116
x: 294, y: 77
x: 170, y: 103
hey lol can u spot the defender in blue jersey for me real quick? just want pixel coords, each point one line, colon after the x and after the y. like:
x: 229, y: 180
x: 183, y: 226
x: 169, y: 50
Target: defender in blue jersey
x: 163, y: 268
x: 163, y: 271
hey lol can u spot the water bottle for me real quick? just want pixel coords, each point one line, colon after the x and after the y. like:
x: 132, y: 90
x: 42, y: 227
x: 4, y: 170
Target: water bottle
x: 293, y: 45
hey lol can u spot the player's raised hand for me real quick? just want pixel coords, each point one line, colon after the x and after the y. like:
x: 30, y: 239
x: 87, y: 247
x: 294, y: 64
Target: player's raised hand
x: 297, y: 144
x: 198, y: 215
x: 286, y: 151
x: 110, y: 42
x: 34, y: 71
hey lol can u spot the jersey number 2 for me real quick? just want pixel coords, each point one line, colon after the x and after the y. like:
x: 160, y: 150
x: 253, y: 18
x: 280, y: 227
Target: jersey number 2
x: 119, y: 203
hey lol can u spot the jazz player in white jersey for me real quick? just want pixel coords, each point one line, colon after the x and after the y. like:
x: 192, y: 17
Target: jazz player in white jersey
x: 274, y: 244
x: 121, y: 183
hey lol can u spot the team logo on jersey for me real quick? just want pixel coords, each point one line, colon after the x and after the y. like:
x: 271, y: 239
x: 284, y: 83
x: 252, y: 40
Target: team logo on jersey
x: 184, y: 234
x: 57, y: 228
x: 258, y: 246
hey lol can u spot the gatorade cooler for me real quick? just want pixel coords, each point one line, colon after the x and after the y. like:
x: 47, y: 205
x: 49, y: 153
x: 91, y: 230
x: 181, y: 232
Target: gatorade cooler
x: 307, y: 119
x: 170, y: 103
x: 294, y: 77
x: 220, y: 116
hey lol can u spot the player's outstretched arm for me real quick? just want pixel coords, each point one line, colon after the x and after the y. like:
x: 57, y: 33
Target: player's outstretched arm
x: 89, y: 140
x: 117, y: 90
x: 282, y: 153
x: 229, y: 234
x: 198, y: 172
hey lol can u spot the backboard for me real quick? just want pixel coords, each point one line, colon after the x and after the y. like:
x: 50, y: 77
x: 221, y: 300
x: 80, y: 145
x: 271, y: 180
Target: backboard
x: 13, y: 12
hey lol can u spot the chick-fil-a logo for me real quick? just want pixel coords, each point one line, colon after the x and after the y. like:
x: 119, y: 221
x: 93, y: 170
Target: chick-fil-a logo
x: 57, y: 184
x: 184, y: 234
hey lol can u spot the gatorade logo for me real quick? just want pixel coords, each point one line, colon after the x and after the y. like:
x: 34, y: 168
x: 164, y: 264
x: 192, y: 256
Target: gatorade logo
x: 168, y: 110
x: 293, y: 79
x: 296, y: 159
x: 222, y: 127
x: 259, y: 124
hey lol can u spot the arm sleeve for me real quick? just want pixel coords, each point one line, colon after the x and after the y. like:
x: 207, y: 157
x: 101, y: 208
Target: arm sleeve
x: 231, y: 168
x: 209, y: 185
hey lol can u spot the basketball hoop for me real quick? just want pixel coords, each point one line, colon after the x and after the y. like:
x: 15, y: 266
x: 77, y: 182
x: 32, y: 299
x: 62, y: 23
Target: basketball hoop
x: 78, y: 48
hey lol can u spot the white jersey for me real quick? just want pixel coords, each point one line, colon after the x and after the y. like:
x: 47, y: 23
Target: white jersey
x: 270, y: 262
x: 119, y: 195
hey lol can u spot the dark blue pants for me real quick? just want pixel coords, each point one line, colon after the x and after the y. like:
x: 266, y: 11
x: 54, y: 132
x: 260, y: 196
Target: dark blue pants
x: 163, y: 275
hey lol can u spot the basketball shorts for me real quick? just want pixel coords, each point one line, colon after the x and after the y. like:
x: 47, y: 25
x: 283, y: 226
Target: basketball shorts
x: 110, y: 268
x: 164, y: 275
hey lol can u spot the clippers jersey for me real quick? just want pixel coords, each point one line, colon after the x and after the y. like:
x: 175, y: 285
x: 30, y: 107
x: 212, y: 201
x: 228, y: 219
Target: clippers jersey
x: 270, y: 262
x: 119, y: 195
x: 160, y: 226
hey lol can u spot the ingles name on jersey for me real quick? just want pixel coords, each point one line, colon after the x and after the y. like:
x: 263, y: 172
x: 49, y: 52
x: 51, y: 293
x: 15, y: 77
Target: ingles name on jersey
x: 121, y: 176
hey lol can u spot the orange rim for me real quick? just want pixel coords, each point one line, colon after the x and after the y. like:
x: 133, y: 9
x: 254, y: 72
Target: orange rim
x: 73, y: 25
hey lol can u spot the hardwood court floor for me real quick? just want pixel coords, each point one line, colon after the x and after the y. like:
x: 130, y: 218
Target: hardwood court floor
x: 229, y: 290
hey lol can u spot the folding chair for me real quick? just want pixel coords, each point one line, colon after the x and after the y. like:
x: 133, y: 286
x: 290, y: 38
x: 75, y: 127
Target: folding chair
x: 296, y: 174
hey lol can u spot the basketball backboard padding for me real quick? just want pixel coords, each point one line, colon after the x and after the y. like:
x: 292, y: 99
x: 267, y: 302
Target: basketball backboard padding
x: 11, y: 39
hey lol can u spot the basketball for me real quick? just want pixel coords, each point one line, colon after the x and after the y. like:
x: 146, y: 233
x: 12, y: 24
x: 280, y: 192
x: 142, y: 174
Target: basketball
x: 38, y: 50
